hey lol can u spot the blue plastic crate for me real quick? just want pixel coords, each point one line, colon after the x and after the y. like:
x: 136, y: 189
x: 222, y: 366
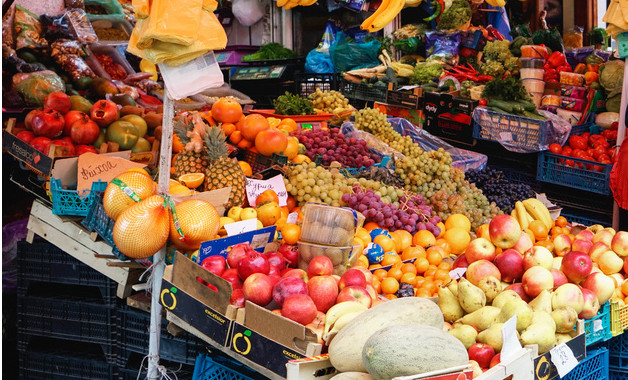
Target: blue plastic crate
x: 593, y: 367
x: 587, y: 220
x: 58, y: 364
x: 584, y: 175
x: 131, y: 374
x: 618, y: 375
x: 208, y: 369
x: 514, y: 132
x: 588, y: 126
x: 97, y: 220
x: 74, y: 202
x: 598, y: 328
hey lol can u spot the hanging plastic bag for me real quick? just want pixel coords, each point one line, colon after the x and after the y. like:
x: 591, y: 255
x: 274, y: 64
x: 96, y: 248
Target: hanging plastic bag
x: 247, y: 12
x: 348, y: 55
x: 441, y: 46
x: 317, y: 62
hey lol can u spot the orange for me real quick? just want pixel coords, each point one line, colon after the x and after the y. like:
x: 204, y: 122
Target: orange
x: 458, y: 221
x: 385, y: 242
x: 421, y: 265
x: 235, y: 137
x: 292, y: 148
x: 244, y: 144
x: 441, y: 225
x: 566, y: 230
x: 547, y: 244
x: 363, y: 235
x: 438, y: 249
x: 290, y: 233
x: 530, y: 234
x: 390, y: 296
x: 228, y: 128
x: 363, y: 261
x: 408, y: 268
x: 561, y: 221
x: 375, y: 266
x: 408, y: 278
x: 395, y: 272
x: 458, y: 239
x: 624, y: 288
x: 377, y: 284
x: 380, y: 274
x: 390, y: 259
x: 288, y: 124
x: 556, y: 230
x: 539, y: 230
x: 423, y: 238
x: 423, y: 293
x: 442, y: 275
x: 444, y: 244
x: 300, y: 158
x: 419, y: 281
x: 402, y: 239
x: 431, y: 271
x: 370, y: 226
x: 434, y: 257
x: 445, y: 265
x: 390, y: 285
x: 412, y: 252
x: 246, y: 168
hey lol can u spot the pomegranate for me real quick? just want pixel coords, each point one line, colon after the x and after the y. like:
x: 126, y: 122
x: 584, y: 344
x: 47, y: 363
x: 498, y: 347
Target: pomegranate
x: 237, y: 298
x: 236, y: 253
x: 104, y: 112
x: 26, y: 136
x: 70, y: 118
x: 290, y: 253
x: 276, y: 259
x: 68, y: 148
x: 215, y: 264
x: 48, y: 123
x: 84, y: 131
x: 231, y: 275
x: 28, y: 120
x: 58, y: 101
x: 80, y: 149
x: 41, y: 143
x: 253, y: 262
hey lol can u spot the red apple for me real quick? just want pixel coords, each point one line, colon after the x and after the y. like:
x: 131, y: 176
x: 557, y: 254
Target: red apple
x: 291, y: 253
x: 480, y: 249
x: 568, y: 295
x: 626, y: 264
x: 619, y: 244
x: 236, y: 253
x: 253, y: 262
x: 609, y: 262
x: 562, y: 244
x: 582, y: 245
x: 274, y: 279
x: 237, y: 298
x: 602, y: 285
x: 215, y: 264
x: 296, y: 272
x: 320, y: 266
x: 58, y: 101
x: 510, y: 265
x: 481, y: 269
x: 495, y: 361
x: 518, y: 288
x: 538, y: 255
x: 597, y: 249
x: 288, y: 286
x: 367, y: 274
x: 504, y: 231
x: 258, y: 288
x: 460, y: 262
x: 276, y: 259
x: 605, y: 236
x: 576, y: 266
x: 481, y: 353
x: 585, y: 235
x: 26, y: 136
x: 559, y: 277
x: 299, y: 308
x: 618, y: 278
x: 323, y: 290
x: 523, y: 244
x: 590, y: 306
x: 537, y: 279
x: 231, y: 275
x: 28, y: 120
x: 48, y: 123
x: 371, y: 289
x: 81, y: 149
x: 355, y: 293
x: 557, y: 262
x: 352, y: 277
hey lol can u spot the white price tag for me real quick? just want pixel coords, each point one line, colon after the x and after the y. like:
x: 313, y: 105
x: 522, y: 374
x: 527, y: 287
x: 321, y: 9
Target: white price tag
x: 292, y: 218
x: 254, y: 187
x: 563, y: 358
x: 597, y: 325
x: 241, y: 227
x: 510, y: 341
x: 505, y: 136
x: 457, y: 273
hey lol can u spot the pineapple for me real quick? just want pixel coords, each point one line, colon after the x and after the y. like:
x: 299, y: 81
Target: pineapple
x: 222, y: 170
x: 193, y: 158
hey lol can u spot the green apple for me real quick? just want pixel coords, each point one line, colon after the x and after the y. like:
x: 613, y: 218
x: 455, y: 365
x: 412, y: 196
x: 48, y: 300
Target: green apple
x: 79, y: 103
x: 142, y: 145
x: 137, y: 120
x: 101, y: 138
x: 124, y: 133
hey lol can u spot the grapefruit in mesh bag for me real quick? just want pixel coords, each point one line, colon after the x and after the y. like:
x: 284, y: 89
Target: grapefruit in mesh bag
x: 115, y: 200
x: 199, y: 222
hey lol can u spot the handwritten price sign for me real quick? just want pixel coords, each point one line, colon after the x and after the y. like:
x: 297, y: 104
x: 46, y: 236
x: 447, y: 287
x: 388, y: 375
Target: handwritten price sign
x: 563, y: 358
x: 254, y: 187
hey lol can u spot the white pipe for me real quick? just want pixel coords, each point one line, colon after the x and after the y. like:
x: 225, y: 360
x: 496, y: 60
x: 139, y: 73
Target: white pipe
x: 621, y: 133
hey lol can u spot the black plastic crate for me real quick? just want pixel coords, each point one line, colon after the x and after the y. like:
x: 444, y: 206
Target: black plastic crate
x: 133, y: 337
x: 42, y: 262
x: 306, y: 84
x: 68, y: 319
x: 363, y: 91
x: 55, y: 360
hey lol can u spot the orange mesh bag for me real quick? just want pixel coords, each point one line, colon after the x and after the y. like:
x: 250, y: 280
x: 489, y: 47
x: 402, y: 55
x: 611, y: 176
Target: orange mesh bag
x: 119, y: 194
x: 199, y: 222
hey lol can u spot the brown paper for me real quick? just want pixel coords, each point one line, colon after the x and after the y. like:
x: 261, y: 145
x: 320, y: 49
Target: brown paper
x: 93, y: 167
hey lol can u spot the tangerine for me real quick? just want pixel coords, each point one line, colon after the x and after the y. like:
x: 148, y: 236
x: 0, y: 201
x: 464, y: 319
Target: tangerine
x: 412, y: 252
x: 402, y: 239
x: 421, y: 265
x: 561, y: 221
x: 624, y: 288
x: 228, y: 128
x: 370, y: 226
x: 458, y: 221
x: 235, y: 137
x: 458, y: 239
x: 390, y: 258
x: 380, y: 274
x: 423, y: 293
x: 390, y: 285
x: 539, y: 230
x: 423, y: 238
x: 395, y: 272
x: 246, y: 168
x: 408, y: 268
x: 434, y: 257
x: 363, y: 261
x: 385, y: 242
x: 291, y: 232
x: 408, y: 278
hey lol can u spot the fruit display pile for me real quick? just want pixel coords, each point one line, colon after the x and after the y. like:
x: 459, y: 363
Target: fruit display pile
x: 497, y: 188
x: 332, y: 145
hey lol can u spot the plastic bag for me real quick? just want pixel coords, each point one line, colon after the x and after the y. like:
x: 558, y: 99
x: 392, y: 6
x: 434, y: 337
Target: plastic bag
x: 56, y: 27
x: 247, y: 12
x: 65, y: 47
x: 573, y: 39
x: 347, y: 55
x: 442, y: 46
x: 74, y: 66
x: 11, y: 234
x: 27, y: 30
x: 34, y: 87
x: 317, y: 62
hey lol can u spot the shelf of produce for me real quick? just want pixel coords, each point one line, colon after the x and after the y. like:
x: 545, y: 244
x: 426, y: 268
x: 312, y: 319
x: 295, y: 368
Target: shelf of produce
x: 72, y: 238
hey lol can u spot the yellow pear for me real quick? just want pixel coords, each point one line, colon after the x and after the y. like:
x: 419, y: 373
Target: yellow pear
x: 542, y: 302
x: 471, y: 297
x: 492, y: 336
x: 465, y: 333
x: 491, y: 287
x: 449, y: 305
x: 565, y: 318
x: 505, y: 296
x: 521, y: 309
x: 482, y: 318
x: 541, y: 334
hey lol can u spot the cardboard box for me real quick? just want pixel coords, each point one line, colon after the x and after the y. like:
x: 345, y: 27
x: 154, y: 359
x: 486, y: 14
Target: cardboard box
x: 270, y: 340
x: 203, y: 308
x: 405, y: 99
x: 31, y: 157
x: 449, y: 117
x: 416, y: 117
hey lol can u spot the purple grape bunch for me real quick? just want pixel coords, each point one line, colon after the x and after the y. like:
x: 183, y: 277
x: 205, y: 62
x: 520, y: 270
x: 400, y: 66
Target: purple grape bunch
x: 332, y: 145
x: 413, y: 215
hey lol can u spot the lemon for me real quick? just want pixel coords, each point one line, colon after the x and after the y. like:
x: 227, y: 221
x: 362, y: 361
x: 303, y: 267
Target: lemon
x: 235, y: 213
x: 192, y: 180
x: 148, y: 67
x: 259, y: 225
x: 248, y: 213
x: 224, y: 220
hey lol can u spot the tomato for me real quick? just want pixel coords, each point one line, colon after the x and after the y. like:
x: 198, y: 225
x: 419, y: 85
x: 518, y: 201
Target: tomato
x: 585, y: 135
x: 594, y: 138
x: 577, y: 153
x: 567, y: 151
x: 578, y: 142
x: 483, y: 102
x: 598, y: 151
x: 569, y: 163
x: 590, y: 152
x: 555, y: 148
x: 603, y: 157
x: 601, y: 142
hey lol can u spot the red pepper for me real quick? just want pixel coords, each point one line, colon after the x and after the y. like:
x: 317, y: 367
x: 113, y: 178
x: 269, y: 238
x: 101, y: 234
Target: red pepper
x: 564, y: 67
x: 595, y: 67
x: 482, y: 102
x: 556, y: 59
x: 581, y: 68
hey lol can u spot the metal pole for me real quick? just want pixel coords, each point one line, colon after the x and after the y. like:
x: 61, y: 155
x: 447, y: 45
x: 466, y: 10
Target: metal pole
x: 159, y: 258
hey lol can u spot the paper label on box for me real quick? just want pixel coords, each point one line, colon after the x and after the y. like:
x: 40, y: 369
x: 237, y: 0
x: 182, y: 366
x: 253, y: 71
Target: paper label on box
x: 457, y: 273
x: 241, y: 227
x: 260, y: 240
x: 563, y: 358
x: 292, y: 218
x: 254, y: 187
x: 597, y: 325
x: 510, y: 341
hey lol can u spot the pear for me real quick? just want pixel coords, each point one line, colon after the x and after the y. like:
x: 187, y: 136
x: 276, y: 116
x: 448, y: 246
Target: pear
x: 521, y: 309
x: 541, y: 334
x: 482, y: 318
x: 544, y: 318
x: 492, y: 336
x: 491, y: 287
x: 505, y: 296
x: 565, y: 318
x: 453, y: 287
x: 542, y: 302
x: 449, y: 305
x: 562, y: 338
x: 470, y: 296
x: 465, y: 333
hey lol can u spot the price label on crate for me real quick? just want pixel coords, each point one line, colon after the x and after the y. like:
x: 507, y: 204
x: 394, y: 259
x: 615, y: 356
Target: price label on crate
x: 254, y: 187
x: 563, y: 358
x: 597, y: 325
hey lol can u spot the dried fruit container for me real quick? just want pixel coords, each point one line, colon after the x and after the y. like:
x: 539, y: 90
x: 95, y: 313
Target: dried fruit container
x: 328, y: 225
x: 572, y: 79
x: 342, y: 257
x: 530, y: 73
x: 533, y: 51
x: 110, y: 51
x: 532, y: 63
x: 107, y: 28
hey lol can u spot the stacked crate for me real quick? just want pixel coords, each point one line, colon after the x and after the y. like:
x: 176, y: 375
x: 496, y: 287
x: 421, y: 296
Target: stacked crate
x: 618, y: 357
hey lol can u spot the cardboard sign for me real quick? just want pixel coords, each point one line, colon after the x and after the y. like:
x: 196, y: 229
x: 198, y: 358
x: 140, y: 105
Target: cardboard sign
x: 241, y: 227
x: 257, y: 239
x: 93, y: 167
x: 254, y: 187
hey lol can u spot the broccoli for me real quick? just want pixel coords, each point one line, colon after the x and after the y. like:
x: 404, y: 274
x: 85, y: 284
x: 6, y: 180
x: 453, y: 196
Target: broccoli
x: 492, y: 68
x: 512, y: 64
x: 465, y: 88
x: 426, y: 72
x: 497, y: 50
x: 272, y: 50
x: 456, y: 16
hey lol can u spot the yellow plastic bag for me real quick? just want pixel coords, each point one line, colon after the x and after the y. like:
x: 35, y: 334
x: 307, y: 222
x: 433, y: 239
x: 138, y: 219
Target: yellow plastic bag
x: 141, y: 8
x: 172, y: 21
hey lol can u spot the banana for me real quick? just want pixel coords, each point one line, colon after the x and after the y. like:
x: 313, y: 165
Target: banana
x: 281, y: 3
x: 307, y: 3
x: 496, y: 3
x: 538, y: 211
x: 341, y: 322
x: 412, y: 3
x: 338, y: 310
x: 391, y: 11
x: 522, y: 215
x: 366, y: 24
x: 513, y: 213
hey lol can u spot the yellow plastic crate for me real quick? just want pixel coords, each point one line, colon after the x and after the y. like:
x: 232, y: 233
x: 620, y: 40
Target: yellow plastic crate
x: 619, y: 318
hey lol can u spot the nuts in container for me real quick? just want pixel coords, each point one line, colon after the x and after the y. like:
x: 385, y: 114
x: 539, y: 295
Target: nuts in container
x: 81, y: 26
x: 323, y: 224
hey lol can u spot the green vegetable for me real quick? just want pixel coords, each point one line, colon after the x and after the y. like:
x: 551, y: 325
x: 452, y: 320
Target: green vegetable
x: 465, y: 88
x: 512, y: 64
x: 426, y: 72
x: 390, y: 75
x: 497, y: 50
x: 508, y: 107
x: 613, y: 103
x: 505, y: 89
x: 528, y: 106
x: 550, y: 38
x: 272, y: 50
x: 534, y: 115
x: 492, y: 68
x: 456, y: 16
x: 290, y: 104
x: 517, y: 43
x: 410, y: 31
x: 612, y: 75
